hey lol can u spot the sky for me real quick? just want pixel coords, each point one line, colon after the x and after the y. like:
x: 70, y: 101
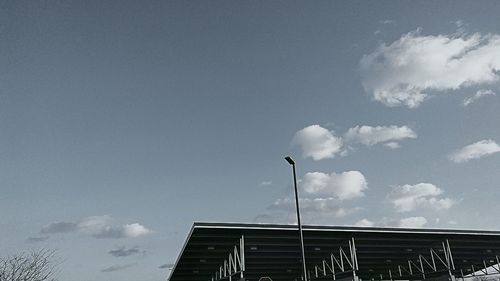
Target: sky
x: 123, y: 122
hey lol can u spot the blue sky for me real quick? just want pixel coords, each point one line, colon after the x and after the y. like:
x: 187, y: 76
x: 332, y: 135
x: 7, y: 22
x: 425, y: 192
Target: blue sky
x: 123, y: 122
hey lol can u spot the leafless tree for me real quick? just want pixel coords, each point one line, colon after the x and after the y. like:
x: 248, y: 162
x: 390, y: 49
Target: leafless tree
x: 36, y: 265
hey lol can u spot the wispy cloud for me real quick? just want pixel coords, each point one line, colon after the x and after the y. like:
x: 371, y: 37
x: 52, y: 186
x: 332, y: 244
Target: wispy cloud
x: 387, y: 21
x: 413, y: 222
x: 406, y: 198
x: 364, y: 222
x: 117, y: 267
x: 479, y: 94
x: 98, y: 227
x: 410, y: 69
x: 407, y: 222
x: 369, y: 135
x: 37, y: 239
x: 475, y: 151
x: 266, y: 183
x: 125, y: 252
x: 166, y: 265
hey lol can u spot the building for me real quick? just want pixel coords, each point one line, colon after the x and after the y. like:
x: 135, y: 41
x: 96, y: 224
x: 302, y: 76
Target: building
x: 228, y: 251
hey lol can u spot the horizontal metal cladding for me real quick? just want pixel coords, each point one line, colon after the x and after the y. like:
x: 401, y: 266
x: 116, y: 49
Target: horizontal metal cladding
x: 380, y: 253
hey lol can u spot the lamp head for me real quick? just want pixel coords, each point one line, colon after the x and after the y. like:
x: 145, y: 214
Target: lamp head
x: 290, y: 160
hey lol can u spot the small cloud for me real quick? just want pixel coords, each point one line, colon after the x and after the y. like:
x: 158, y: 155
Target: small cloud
x: 479, y: 94
x: 117, y: 267
x: 364, y: 222
x: 122, y: 231
x: 412, y: 222
x: 475, y: 151
x: 266, y: 183
x: 37, y: 239
x: 452, y: 222
x: 166, y: 265
x: 98, y: 227
x: 408, y: 198
x: 124, y: 252
x: 317, y: 142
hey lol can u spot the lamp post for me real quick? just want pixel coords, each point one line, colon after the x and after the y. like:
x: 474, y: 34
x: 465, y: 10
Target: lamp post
x: 292, y: 163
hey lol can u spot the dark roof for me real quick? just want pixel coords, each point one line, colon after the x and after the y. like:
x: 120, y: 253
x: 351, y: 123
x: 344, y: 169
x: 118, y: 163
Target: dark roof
x: 274, y: 250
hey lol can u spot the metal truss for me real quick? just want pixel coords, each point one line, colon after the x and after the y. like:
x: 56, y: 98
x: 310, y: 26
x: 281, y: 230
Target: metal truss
x: 423, y: 265
x: 479, y: 272
x: 234, y: 264
x: 339, y: 263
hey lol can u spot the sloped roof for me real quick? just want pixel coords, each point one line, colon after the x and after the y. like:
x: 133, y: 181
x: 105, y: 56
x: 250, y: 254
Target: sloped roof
x: 274, y: 250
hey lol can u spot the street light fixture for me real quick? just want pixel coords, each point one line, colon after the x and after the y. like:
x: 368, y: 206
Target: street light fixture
x: 292, y: 163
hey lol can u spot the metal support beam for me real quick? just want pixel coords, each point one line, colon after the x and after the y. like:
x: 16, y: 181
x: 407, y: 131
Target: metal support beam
x: 339, y: 262
x: 234, y: 264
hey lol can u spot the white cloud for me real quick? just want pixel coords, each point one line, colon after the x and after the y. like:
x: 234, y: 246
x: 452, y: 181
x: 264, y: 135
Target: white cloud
x: 122, y: 231
x: 369, y: 135
x: 415, y: 66
x: 317, y: 142
x: 364, y: 222
x: 412, y: 222
x: 408, y: 198
x: 317, y: 206
x: 98, y: 227
x: 322, y: 197
x: 475, y: 151
x: 392, y: 145
x: 346, y: 185
x: 479, y: 94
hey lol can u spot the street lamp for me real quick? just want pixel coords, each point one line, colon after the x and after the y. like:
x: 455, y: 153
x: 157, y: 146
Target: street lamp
x: 292, y: 163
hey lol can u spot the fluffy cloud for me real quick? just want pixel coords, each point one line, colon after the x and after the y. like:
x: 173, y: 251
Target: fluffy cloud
x: 317, y: 142
x: 346, y: 185
x: 320, y: 143
x: 124, y: 252
x: 408, y: 198
x: 475, y: 151
x: 415, y: 66
x: 369, y: 135
x: 122, y: 231
x: 412, y: 222
x: 479, y: 94
x: 98, y: 227
x: 322, y: 197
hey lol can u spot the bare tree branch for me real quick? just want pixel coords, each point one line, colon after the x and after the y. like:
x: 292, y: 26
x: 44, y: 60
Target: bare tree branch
x: 36, y: 265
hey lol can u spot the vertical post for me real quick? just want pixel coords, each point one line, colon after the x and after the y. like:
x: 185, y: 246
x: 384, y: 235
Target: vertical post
x: 242, y: 255
x: 291, y: 162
